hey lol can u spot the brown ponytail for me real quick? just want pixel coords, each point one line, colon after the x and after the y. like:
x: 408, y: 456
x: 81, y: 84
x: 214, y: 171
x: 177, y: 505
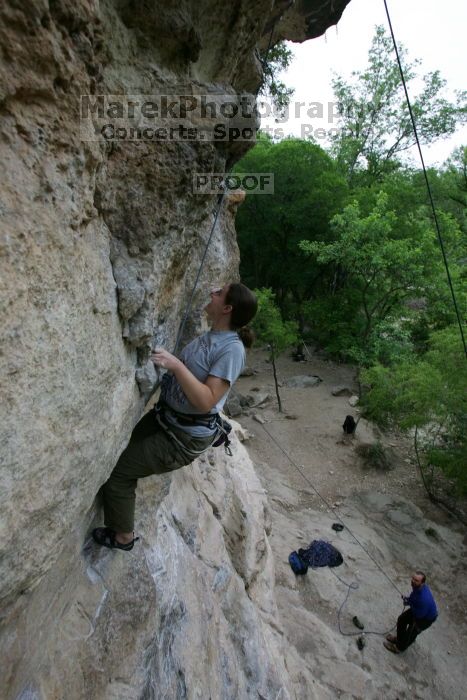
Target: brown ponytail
x: 246, y: 336
x: 244, y: 306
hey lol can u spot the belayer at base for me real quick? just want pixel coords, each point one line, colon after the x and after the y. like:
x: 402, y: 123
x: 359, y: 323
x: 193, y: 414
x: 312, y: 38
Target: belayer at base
x: 186, y: 421
x: 421, y: 614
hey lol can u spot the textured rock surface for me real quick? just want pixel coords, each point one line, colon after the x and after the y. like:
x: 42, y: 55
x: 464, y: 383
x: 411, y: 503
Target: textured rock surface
x: 100, y: 244
x: 325, y: 483
x: 393, y: 531
x: 190, y: 612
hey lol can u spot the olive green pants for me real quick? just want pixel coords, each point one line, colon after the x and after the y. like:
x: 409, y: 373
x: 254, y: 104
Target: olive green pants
x: 150, y: 451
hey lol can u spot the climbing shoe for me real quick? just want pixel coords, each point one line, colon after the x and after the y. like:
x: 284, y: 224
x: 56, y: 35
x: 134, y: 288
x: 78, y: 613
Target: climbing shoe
x: 357, y: 623
x: 391, y: 647
x: 106, y: 538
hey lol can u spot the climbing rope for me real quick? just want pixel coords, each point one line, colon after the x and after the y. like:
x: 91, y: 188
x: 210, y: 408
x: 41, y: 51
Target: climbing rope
x: 427, y: 182
x: 350, y: 586
x: 330, y: 508
x: 354, y: 587
x: 220, y: 199
x: 181, y: 328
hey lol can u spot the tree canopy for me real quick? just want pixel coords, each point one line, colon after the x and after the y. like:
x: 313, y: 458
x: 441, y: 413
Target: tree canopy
x: 274, y: 60
x: 308, y: 191
x: 348, y: 248
x: 375, y: 128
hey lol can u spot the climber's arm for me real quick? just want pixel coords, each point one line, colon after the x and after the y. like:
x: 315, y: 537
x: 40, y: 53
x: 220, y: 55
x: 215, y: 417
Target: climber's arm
x: 203, y: 396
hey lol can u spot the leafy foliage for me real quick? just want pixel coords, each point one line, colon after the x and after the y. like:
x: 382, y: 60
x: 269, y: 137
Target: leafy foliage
x: 388, y: 280
x: 347, y: 247
x: 380, y: 263
x: 427, y: 393
x: 375, y: 125
x: 308, y: 190
x: 275, y: 60
x: 453, y: 186
x: 269, y: 326
x: 271, y: 329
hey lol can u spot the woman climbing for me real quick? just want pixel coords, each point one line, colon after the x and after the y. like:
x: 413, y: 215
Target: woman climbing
x: 185, y: 422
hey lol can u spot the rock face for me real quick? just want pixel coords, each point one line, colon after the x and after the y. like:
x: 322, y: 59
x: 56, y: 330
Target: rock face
x: 194, y: 616
x: 394, y: 532
x: 100, y: 245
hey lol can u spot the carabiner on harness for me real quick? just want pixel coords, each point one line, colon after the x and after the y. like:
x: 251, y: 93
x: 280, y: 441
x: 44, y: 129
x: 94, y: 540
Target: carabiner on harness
x: 222, y: 438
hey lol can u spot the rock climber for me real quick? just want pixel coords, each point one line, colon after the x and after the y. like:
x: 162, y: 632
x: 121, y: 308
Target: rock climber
x: 421, y: 614
x: 185, y: 422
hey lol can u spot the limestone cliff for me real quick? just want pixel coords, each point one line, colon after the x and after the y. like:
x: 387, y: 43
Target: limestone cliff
x: 100, y: 244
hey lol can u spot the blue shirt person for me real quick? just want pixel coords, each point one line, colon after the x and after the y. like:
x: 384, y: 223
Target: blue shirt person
x: 421, y: 602
x: 421, y: 614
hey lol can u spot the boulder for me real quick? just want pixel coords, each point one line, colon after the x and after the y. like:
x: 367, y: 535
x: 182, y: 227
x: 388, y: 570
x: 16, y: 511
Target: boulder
x: 233, y: 406
x: 341, y: 390
x: 303, y: 381
x: 243, y: 434
x: 248, y: 372
x: 258, y: 399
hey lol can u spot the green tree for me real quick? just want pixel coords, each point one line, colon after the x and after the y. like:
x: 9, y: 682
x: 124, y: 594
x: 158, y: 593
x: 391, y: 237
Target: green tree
x: 457, y: 176
x: 408, y: 199
x: 274, y: 61
x: 271, y: 329
x: 452, y: 186
x: 427, y: 396
x: 308, y: 191
x: 379, y: 262
x: 375, y: 126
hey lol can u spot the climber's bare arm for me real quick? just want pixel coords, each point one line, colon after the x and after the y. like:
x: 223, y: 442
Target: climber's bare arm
x: 202, y: 396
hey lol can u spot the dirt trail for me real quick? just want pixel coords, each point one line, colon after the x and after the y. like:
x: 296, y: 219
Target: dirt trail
x: 388, y: 512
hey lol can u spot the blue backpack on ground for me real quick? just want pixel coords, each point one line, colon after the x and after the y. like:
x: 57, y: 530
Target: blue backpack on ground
x: 319, y: 553
x: 298, y: 566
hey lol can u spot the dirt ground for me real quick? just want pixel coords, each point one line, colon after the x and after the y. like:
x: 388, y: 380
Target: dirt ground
x: 391, y: 529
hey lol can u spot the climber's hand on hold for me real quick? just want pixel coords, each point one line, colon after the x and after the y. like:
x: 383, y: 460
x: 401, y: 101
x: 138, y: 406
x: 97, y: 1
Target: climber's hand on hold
x: 202, y: 395
x: 164, y: 359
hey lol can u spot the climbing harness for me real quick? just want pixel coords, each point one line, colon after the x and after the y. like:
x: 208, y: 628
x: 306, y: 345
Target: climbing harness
x: 207, y: 420
x: 213, y: 421
x: 224, y: 429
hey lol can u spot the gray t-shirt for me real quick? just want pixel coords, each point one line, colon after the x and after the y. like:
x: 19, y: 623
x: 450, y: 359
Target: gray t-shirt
x: 217, y: 353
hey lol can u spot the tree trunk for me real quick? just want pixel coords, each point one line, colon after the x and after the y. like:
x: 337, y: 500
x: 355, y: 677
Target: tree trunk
x: 273, y: 360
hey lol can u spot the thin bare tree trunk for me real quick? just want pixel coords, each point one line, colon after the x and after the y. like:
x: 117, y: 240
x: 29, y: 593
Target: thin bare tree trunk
x: 273, y: 360
x: 435, y: 499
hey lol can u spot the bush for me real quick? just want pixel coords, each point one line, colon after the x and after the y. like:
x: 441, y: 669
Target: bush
x: 428, y: 394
